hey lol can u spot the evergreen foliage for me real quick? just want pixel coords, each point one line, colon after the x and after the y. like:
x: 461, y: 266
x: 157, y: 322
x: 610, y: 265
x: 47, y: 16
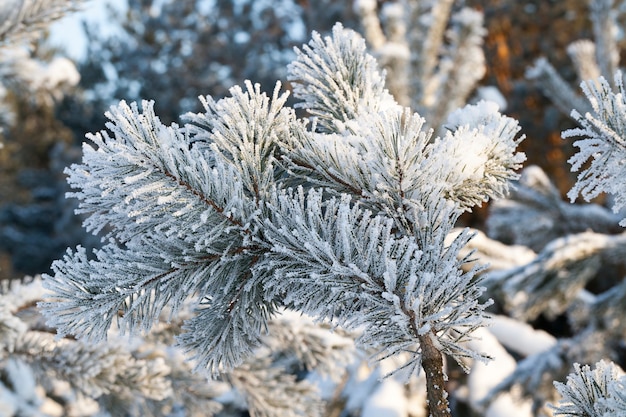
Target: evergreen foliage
x: 594, y: 393
x: 430, y: 49
x: 263, y: 241
x: 601, y: 144
x: 246, y: 209
x: 571, y: 259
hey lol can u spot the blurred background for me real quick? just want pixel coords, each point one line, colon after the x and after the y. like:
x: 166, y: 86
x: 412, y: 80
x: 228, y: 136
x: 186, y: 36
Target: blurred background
x: 171, y: 51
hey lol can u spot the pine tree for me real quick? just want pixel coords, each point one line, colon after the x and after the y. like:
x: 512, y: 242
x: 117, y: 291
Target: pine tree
x: 246, y: 209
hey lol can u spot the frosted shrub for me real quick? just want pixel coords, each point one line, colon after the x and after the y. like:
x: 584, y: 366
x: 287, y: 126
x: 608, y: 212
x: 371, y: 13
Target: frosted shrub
x: 247, y: 209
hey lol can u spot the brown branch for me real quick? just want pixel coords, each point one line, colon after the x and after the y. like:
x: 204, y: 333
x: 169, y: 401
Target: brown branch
x: 205, y: 200
x: 338, y: 180
x: 432, y: 363
x: 207, y: 258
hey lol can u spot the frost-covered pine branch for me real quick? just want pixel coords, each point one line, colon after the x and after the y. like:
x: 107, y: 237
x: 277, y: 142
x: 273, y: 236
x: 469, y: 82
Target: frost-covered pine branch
x: 146, y: 377
x: 551, y: 282
x: 22, y: 19
x: 246, y: 210
x: 601, y: 143
x: 597, y: 392
x: 33, y: 357
x: 534, y: 375
x: 534, y: 214
x: 557, y: 281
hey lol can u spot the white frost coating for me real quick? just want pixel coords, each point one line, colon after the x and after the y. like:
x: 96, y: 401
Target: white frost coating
x: 466, y: 152
x: 601, y: 154
x: 350, y: 227
x: 520, y: 337
x: 388, y: 400
x: 485, y: 376
x: 473, y: 115
x: 597, y: 392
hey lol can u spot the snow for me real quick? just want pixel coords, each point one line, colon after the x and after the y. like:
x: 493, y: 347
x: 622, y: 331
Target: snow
x: 22, y: 380
x: 485, y: 376
x: 394, y: 50
x: 520, y: 337
x: 364, y: 5
x: 472, y: 115
x: 491, y: 94
x: 388, y: 400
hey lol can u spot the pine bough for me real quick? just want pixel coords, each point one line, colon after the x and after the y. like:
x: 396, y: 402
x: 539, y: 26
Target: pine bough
x: 40, y: 375
x: 247, y: 209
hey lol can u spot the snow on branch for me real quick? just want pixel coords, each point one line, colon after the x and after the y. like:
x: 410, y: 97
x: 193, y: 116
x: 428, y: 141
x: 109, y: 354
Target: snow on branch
x: 353, y: 260
x: 534, y: 214
x: 551, y: 282
x: 603, y: 17
x: 555, y: 87
x: 246, y: 129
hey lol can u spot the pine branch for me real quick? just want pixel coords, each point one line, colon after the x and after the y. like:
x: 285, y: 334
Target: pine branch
x: 428, y: 33
x: 398, y: 293
x: 432, y: 361
x: 586, y: 391
x: 22, y: 19
x: 534, y: 214
x: 583, y: 53
x: 463, y: 65
x: 245, y: 130
x: 270, y: 392
x: 602, y: 15
x: 204, y: 215
x: 336, y: 80
x: 559, y: 272
x: 199, y: 231
x: 298, y: 343
x: 554, y: 86
x: 602, y: 143
x: 95, y: 370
